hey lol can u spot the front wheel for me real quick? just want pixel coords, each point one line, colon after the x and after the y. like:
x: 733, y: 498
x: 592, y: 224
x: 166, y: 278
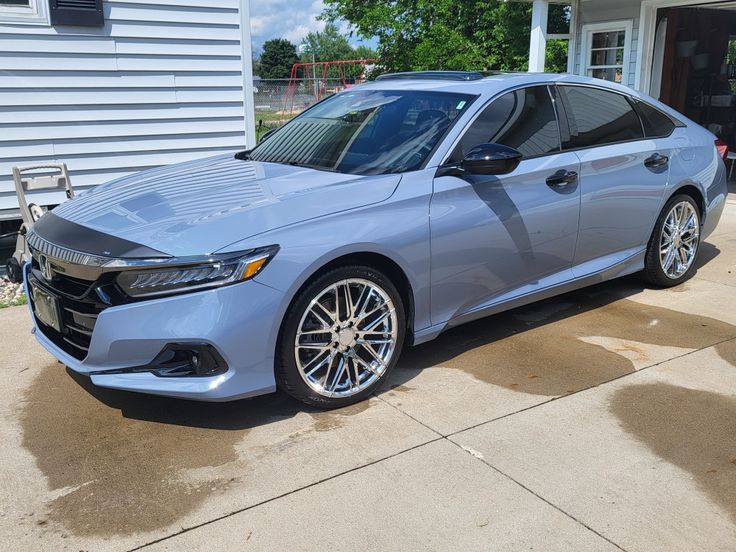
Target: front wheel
x: 341, y: 336
x: 674, y: 244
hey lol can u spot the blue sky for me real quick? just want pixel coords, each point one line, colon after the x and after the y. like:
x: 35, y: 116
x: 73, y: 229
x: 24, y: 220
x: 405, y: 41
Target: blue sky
x: 290, y: 19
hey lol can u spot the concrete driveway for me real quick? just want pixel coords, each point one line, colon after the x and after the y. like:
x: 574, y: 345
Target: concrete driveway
x: 604, y: 419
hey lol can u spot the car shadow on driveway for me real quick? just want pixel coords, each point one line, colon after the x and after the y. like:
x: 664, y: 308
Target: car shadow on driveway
x: 233, y: 415
x: 707, y: 253
x: 567, y: 343
x: 535, y: 349
x: 118, y: 461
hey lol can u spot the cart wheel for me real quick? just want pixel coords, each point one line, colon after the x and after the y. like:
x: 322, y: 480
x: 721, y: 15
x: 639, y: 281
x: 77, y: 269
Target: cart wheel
x: 15, y: 274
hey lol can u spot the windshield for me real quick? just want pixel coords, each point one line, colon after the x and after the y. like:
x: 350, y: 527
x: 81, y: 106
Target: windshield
x: 365, y: 131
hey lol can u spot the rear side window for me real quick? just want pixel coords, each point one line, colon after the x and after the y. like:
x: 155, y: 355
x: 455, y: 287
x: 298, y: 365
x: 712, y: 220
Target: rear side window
x: 522, y: 119
x: 656, y: 124
x: 598, y: 117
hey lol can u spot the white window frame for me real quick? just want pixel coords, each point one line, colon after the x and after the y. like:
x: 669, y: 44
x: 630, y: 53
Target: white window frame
x: 570, y: 37
x: 626, y: 25
x: 36, y: 13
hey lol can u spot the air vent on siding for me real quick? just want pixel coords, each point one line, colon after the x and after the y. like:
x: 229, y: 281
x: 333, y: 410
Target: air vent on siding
x: 81, y: 13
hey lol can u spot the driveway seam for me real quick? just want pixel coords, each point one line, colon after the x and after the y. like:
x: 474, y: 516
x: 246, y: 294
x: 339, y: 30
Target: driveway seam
x: 283, y: 495
x: 540, y: 497
x: 520, y: 484
x: 447, y: 438
x: 599, y: 384
x: 410, y: 416
x: 439, y: 437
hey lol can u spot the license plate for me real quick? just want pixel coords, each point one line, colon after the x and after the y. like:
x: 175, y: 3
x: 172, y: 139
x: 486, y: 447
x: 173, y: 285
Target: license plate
x: 46, y: 308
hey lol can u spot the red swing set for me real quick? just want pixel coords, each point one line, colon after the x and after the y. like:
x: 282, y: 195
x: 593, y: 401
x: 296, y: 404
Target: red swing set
x: 318, y: 72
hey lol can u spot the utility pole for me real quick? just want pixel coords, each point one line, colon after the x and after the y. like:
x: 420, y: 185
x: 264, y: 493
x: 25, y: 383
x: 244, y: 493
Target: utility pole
x: 304, y: 49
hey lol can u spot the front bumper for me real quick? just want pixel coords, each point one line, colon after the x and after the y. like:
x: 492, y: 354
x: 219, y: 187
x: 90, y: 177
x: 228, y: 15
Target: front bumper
x: 241, y: 321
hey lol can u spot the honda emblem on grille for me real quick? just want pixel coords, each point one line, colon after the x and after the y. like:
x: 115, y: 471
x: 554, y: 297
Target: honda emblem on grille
x: 46, y: 271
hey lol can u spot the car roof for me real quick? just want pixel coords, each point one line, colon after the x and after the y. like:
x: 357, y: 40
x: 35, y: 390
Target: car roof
x: 489, y: 84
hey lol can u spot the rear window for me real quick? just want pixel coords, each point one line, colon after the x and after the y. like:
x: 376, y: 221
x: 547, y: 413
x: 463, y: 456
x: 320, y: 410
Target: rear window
x: 656, y: 124
x: 598, y: 117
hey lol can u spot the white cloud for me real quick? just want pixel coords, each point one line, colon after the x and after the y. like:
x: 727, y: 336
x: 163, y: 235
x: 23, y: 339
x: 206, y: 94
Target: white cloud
x: 290, y: 19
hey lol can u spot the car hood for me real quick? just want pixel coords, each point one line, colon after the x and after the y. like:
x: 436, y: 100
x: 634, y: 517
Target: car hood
x: 199, y: 207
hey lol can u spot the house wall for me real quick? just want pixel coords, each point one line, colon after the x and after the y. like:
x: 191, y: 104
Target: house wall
x: 161, y: 82
x: 600, y: 11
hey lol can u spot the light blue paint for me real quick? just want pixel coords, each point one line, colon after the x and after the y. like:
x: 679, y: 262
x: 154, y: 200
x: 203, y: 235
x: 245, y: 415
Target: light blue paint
x: 469, y: 247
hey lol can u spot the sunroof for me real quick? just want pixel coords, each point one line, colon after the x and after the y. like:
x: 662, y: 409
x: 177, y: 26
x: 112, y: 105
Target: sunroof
x: 434, y: 75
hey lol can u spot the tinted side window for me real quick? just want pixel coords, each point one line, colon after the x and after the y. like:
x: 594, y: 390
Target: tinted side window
x: 598, y: 117
x: 656, y: 123
x: 522, y: 119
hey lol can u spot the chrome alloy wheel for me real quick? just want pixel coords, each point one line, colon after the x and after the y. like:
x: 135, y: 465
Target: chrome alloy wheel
x: 678, y: 242
x: 346, y: 338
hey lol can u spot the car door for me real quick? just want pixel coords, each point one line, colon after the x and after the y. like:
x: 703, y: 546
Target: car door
x: 623, y: 175
x: 494, y: 237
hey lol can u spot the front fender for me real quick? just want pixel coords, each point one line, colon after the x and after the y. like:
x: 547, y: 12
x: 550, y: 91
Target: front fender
x: 397, y: 229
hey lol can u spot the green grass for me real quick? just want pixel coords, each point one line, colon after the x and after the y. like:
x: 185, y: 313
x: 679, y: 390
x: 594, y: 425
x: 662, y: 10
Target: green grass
x: 14, y: 303
x: 260, y: 131
x: 270, y: 117
x: 267, y: 120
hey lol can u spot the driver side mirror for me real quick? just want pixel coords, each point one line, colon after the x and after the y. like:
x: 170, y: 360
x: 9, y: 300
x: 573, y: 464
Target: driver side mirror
x: 488, y: 159
x: 491, y: 159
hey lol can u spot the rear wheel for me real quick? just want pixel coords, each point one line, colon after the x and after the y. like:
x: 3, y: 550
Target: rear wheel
x: 342, y: 336
x: 674, y: 244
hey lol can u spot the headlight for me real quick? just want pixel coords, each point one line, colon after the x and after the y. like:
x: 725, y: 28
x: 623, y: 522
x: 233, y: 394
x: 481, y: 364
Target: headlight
x: 219, y: 270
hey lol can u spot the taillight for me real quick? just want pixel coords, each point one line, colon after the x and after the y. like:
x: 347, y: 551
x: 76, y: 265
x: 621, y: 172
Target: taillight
x: 722, y: 148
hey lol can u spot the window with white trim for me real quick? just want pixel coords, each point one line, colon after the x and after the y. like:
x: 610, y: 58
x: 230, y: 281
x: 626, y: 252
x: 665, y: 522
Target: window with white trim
x: 560, y: 24
x: 606, y: 51
x: 24, y: 11
x: 16, y: 5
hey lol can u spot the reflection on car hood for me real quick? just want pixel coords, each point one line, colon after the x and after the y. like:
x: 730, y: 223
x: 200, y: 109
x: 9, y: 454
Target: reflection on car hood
x: 201, y: 206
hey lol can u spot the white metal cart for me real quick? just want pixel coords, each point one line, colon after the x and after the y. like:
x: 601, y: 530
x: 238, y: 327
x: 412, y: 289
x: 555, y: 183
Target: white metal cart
x: 34, y: 178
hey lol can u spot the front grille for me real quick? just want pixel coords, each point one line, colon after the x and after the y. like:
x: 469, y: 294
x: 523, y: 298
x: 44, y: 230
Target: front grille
x: 80, y: 303
x: 83, y: 283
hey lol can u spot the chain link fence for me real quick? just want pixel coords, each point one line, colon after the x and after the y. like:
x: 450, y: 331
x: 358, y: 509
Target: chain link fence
x: 276, y: 102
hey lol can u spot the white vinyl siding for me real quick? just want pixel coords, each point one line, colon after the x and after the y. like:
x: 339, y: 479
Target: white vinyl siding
x: 161, y: 82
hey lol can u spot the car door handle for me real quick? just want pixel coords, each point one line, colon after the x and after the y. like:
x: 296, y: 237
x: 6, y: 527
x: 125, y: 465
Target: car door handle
x: 656, y: 161
x: 562, y: 178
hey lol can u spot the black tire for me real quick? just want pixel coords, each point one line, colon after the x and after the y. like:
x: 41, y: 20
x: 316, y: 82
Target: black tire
x: 288, y: 375
x: 14, y: 271
x: 653, y: 272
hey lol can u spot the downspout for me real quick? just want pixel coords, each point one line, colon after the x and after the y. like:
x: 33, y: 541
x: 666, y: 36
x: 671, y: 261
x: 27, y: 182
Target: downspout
x: 246, y: 53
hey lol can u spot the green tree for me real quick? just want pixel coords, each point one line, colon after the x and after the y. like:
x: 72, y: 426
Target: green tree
x: 277, y: 58
x: 256, y: 65
x: 331, y: 45
x: 327, y: 45
x: 447, y: 34
x: 556, y: 58
x: 364, y: 52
